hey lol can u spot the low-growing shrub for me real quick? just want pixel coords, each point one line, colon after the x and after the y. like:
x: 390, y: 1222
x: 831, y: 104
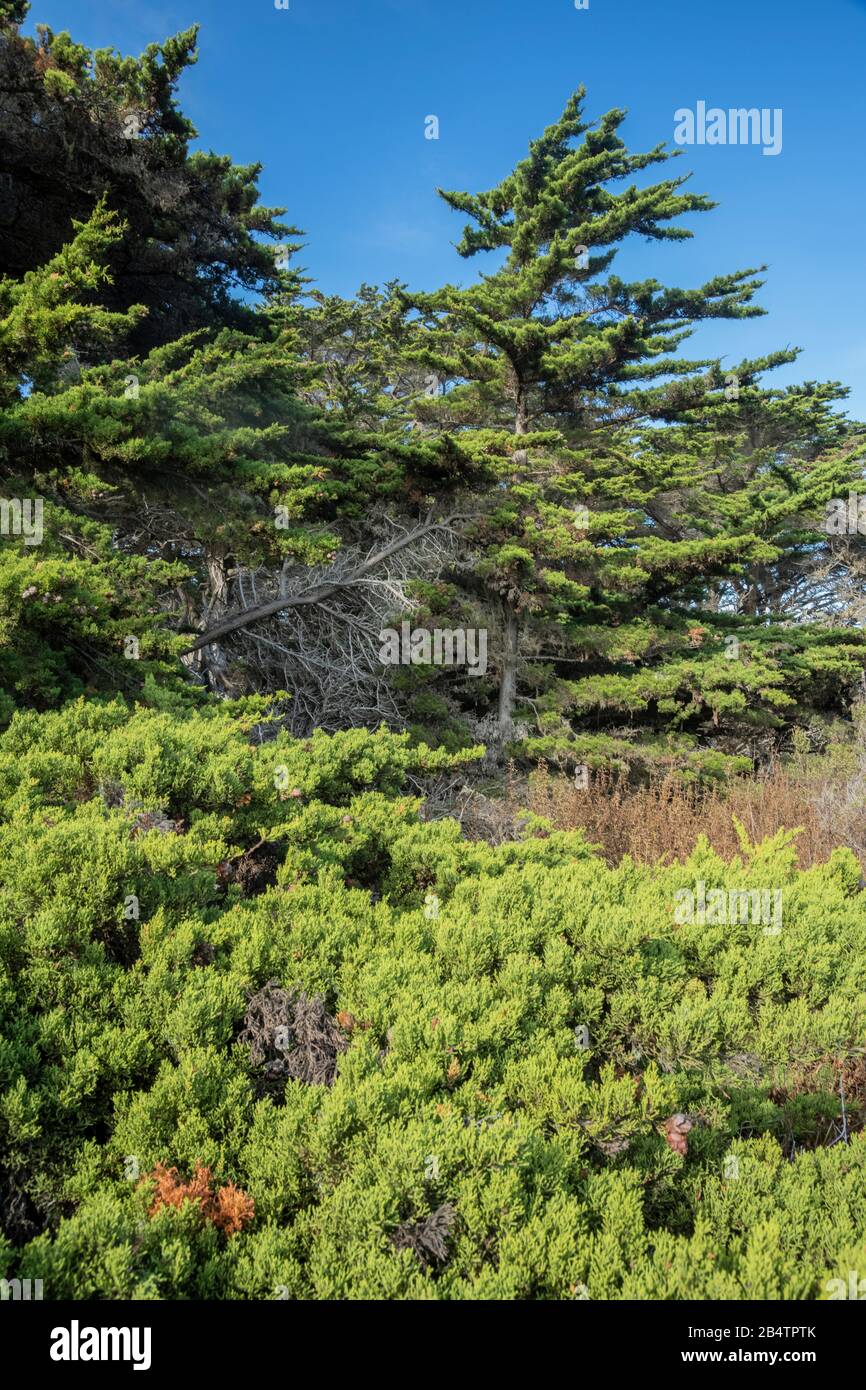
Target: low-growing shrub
x: 510, y: 1071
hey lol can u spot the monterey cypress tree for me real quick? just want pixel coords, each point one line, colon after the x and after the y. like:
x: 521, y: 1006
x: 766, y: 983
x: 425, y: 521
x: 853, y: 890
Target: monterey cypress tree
x: 628, y: 495
x: 79, y: 125
x: 156, y: 480
x: 637, y: 530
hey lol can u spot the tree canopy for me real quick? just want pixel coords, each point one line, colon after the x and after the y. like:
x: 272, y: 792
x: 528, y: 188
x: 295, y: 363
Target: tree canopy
x: 246, y: 491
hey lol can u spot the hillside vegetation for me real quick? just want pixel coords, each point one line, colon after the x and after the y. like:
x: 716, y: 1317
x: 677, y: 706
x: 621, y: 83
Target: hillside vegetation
x: 502, y: 1072
x: 332, y: 972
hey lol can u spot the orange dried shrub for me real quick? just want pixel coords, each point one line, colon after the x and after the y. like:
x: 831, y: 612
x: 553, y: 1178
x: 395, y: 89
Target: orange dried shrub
x: 228, y: 1208
x: 231, y: 1208
x: 171, y: 1191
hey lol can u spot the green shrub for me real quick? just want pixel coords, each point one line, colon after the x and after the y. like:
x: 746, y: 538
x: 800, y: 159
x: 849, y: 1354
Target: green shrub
x: 462, y: 978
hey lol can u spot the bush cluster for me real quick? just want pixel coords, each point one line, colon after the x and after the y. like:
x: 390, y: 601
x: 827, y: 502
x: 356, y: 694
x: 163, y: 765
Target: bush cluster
x: 541, y: 1085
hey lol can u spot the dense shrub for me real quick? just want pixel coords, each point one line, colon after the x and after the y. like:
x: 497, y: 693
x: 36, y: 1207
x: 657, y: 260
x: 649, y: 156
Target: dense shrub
x: 547, y: 1086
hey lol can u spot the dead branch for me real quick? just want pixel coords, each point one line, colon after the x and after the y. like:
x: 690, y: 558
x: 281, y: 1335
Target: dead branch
x: 319, y: 593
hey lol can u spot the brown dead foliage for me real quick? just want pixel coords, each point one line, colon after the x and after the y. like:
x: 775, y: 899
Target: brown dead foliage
x: 842, y: 1081
x: 428, y: 1239
x: 291, y: 1035
x: 228, y: 1208
x: 146, y: 821
x: 254, y: 871
x: 661, y: 821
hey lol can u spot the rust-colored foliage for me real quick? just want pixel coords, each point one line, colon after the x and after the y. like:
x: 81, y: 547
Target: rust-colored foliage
x: 231, y: 1209
x: 228, y: 1208
x: 170, y: 1191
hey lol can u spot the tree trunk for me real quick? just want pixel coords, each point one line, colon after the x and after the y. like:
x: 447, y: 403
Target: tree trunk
x: 510, y: 623
x: 211, y: 661
x: 521, y: 424
x: 508, y: 673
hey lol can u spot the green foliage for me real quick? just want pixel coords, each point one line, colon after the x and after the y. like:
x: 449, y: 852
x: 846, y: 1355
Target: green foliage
x: 154, y: 476
x: 462, y: 977
x: 548, y: 1081
x: 634, y: 536
x: 644, y: 520
x: 82, y: 123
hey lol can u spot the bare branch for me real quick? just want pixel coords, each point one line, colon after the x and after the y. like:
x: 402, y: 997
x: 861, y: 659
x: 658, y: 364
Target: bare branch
x: 321, y: 592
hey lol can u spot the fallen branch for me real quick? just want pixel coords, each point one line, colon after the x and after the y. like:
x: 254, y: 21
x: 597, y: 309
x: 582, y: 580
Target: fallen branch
x: 320, y: 592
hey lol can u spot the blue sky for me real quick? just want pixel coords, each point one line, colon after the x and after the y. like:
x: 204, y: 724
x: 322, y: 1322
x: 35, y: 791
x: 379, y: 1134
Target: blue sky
x: 331, y: 96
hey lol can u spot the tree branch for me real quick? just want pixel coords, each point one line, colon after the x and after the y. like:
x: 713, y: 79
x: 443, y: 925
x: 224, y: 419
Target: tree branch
x: 321, y: 592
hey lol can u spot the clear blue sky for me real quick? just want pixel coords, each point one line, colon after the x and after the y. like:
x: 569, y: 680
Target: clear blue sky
x: 331, y: 96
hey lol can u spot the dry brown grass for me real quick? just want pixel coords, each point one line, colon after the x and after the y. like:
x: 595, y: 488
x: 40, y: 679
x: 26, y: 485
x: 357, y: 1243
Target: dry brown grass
x: 663, y: 820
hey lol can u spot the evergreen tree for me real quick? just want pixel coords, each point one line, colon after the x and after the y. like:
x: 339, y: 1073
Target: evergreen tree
x: 79, y: 125
x: 626, y: 489
x: 155, y: 480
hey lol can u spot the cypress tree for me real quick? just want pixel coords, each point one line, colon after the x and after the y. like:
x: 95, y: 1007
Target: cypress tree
x: 627, y: 489
x: 80, y: 125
